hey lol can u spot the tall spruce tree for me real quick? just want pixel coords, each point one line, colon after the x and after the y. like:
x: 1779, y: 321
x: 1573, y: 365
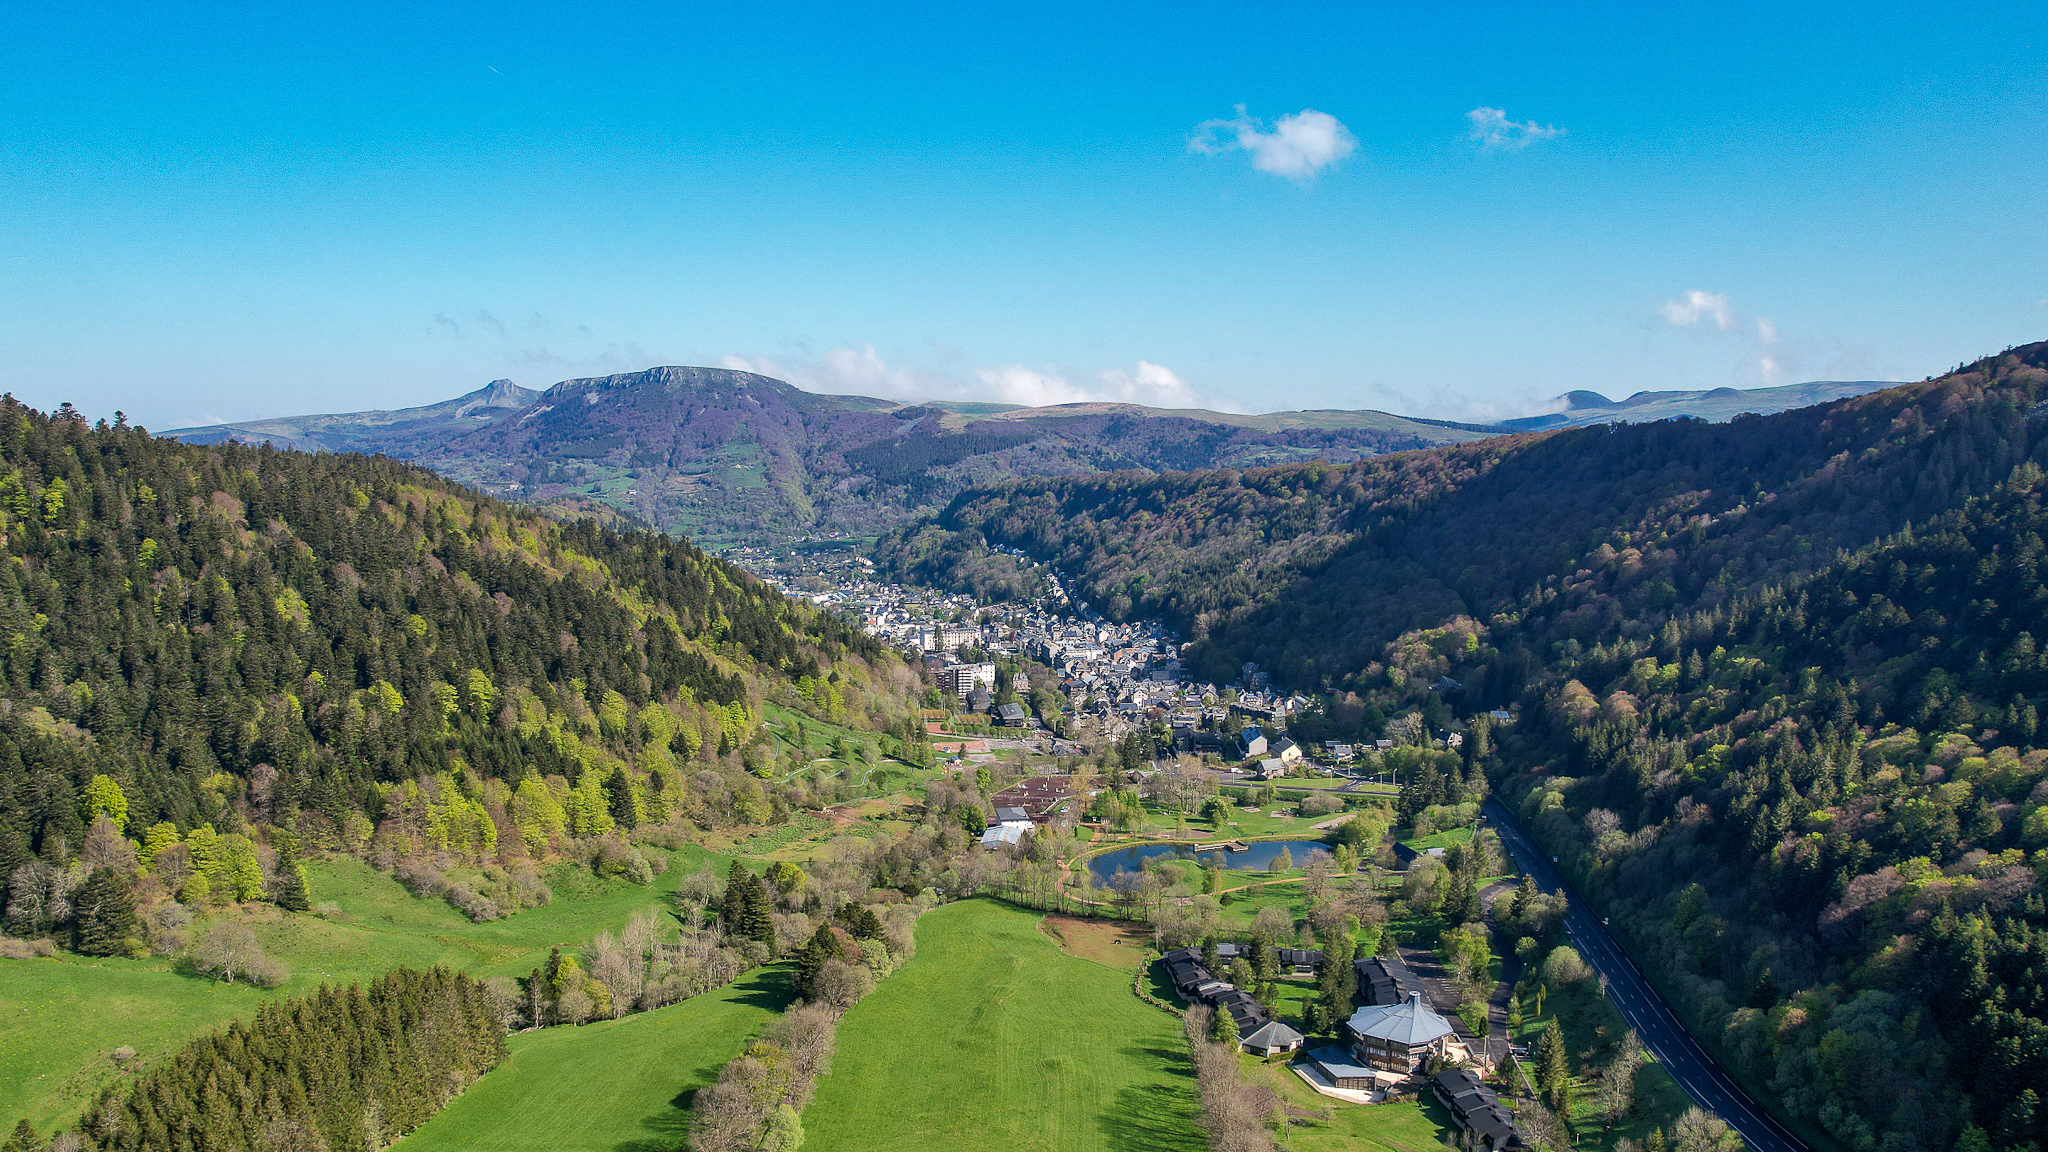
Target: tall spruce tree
x: 292, y: 892
x: 105, y: 914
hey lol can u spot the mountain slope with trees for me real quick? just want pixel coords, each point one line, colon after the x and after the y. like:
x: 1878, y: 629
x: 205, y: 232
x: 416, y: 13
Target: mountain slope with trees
x: 218, y: 657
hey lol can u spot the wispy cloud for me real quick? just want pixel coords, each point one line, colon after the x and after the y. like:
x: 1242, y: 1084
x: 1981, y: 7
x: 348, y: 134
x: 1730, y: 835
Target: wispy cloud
x: 1153, y: 385
x: 1297, y: 146
x: 1689, y: 309
x: 1713, y: 311
x: 1495, y: 132
x: 860, y: 370
x: 851, y: 371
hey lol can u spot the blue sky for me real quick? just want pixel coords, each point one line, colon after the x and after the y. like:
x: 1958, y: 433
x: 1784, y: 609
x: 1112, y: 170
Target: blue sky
x: 207, y: 214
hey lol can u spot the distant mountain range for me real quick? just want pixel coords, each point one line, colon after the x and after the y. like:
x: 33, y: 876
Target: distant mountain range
x: 1716, y: 404
x: 732, y: 457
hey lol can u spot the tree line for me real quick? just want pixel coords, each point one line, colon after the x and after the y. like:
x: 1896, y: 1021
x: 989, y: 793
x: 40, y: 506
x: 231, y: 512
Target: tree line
x: 342, y: 1069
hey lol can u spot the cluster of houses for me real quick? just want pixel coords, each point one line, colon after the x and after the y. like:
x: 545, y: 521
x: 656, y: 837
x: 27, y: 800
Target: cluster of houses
x: 1124, y: 676
x: 1392, y: 1039
x: 1257, y: 1031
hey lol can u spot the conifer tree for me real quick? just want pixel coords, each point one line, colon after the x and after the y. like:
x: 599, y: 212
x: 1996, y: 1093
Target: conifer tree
x: 106, y: 914
x: 823, y: 945
x: 24, y: 1139
x: 292, y: 891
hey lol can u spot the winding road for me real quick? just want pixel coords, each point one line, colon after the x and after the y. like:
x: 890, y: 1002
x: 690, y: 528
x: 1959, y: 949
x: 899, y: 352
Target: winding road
x: 1704, y: 1080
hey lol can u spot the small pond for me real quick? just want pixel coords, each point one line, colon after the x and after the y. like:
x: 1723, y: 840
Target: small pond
x: 1258, y: 858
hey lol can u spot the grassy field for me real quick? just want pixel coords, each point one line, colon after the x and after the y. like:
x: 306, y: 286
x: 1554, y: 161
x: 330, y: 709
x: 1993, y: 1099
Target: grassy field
x: 995, y: 1038
x: 618, y: 1086
x: 62, y: 1017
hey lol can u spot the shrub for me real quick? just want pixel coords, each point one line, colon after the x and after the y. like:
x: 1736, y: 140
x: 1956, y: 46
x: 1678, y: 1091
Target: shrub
x: 1565, y: 966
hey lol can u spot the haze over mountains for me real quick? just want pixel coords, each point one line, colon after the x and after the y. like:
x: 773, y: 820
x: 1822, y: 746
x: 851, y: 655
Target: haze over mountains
x: 735, y: 457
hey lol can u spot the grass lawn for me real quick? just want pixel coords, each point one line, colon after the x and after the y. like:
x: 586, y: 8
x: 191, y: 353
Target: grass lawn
x: 622, y: 1084
x: 60, y: 1018
x: 994, y: 1038
x: 1443, y: 839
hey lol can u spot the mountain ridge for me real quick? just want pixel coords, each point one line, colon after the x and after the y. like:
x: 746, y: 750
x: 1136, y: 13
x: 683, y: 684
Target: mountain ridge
x: 730, y: 456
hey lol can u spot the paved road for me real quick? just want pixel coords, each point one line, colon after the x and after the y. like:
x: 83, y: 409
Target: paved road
x: 1696, y: 1072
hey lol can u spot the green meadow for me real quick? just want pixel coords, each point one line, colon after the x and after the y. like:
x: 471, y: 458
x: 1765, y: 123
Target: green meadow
x: 992, y: 1037
x: 61, y: 1018
x: 617, y: 1086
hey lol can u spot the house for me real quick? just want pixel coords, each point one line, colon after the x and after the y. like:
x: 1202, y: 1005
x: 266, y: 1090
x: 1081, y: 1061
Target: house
x: 1399, y: 1037
x: 1300, y: 961
x: 1253, y: 741
x: 1272, y: 768
x: 1248, y: 1014
x: 1010, y: 715
x: 1342, y: 1069
x: 1385, y: 980
x: 1201, y: 743
x: 1287, y: 750
x: 1477, y: 1111
x: 1445, y: 686
x: 1013, y: 818
x: 1340, y: 752
x: 979, y: 700
x: 1454, y: 740
x: 1270, y: 1039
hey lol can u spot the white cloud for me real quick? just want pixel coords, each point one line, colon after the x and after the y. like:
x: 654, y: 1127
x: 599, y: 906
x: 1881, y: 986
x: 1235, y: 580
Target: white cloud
x: 1759, y: 332
x: 860, y: 370
x: 1696, y: 305
x: 1153, y: 385
x: 1297, y: 146
x: 855, y: 371
x: 1493, y: 130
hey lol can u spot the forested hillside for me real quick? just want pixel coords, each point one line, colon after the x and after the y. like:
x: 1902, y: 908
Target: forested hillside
x: 206, y: 647
x: 1776, y: 689
x: 1310, y: 570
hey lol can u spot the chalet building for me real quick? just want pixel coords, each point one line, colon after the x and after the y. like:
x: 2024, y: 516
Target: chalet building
x: 1300, y: 961
x: 1399, y: 1037
x: 1477, y: 1111
x: 1010, y: 715
x: 1270, y: 1039
x: 1385, y: 980
x: 1257, y: 1031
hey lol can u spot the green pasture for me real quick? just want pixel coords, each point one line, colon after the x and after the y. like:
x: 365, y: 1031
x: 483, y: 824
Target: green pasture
x: 616, y: 1086
x: 995, y: 1038
x: 61, y: 1018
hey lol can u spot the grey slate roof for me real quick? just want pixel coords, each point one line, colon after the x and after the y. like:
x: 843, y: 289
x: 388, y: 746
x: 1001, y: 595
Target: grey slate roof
x: 1413, y: 1023
x: 1272, y: 1034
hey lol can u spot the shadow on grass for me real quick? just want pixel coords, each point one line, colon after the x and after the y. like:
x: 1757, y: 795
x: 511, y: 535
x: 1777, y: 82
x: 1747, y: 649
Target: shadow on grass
x: 772, y: 988
x: 669, y: 1130
x: 1154, y: 1118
